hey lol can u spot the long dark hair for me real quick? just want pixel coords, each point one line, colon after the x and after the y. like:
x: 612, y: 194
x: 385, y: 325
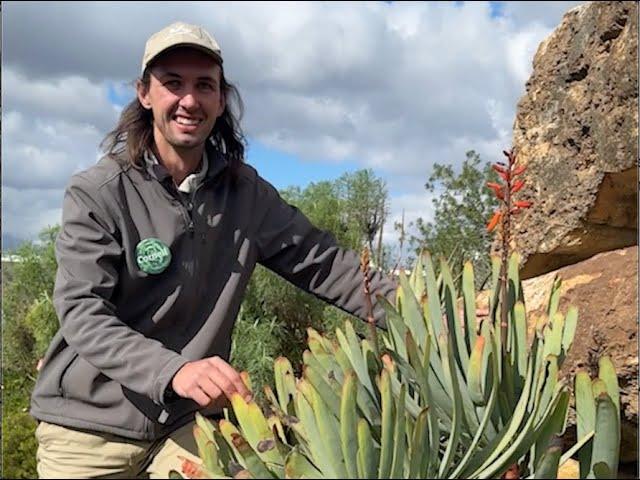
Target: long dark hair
x: 133, y: 135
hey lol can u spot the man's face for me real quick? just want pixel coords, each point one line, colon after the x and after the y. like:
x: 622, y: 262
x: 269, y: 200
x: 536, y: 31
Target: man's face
x: 185, y: 96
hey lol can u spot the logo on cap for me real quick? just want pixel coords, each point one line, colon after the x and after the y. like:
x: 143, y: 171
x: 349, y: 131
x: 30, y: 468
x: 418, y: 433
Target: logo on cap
x: 152, y: 256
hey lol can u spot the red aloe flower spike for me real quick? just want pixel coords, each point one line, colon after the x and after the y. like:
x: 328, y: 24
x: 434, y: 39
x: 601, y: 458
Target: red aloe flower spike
x: 519, y: 170
x: 499, y: 169
x: 523, y: 204
x: 494, y: 221
x: 517, y: 186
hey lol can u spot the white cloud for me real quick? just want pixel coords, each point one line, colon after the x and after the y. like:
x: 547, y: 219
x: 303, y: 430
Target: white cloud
x: 62, y: 148
x: 395, y: 86
x: 25, y: 212
x: 72, y: 98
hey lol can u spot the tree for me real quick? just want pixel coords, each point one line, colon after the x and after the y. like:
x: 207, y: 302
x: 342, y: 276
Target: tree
x: 366, y: 205
x: 29, y: 322
x: 458, y: 231
x: 351, y: 208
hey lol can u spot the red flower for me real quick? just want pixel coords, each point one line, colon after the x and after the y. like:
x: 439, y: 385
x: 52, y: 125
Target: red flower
x: 494, y: 221
x: 517, y: 186
x: 519, y: 170
x: 523, y: 204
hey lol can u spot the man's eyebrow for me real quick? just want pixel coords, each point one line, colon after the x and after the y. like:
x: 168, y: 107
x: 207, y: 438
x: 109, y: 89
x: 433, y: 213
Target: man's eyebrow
x: 177, y: 75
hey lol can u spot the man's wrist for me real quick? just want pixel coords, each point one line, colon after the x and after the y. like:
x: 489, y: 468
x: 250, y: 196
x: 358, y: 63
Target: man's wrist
x: 170, y: 395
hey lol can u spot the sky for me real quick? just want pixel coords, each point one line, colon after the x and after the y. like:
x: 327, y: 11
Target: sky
x: 328, y: 88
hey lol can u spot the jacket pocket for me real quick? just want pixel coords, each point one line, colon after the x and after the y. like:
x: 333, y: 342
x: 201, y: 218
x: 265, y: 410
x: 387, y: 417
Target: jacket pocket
x: 82, y: 381
x: 65, y: 370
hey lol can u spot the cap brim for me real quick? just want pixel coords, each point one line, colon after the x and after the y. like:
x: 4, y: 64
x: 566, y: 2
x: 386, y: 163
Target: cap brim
x: 196, y: 46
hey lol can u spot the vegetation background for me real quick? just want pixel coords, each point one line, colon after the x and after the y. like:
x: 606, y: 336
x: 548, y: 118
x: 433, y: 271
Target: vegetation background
x: 275, y: 315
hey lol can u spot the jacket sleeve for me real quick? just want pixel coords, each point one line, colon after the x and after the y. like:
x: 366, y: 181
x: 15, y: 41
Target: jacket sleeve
x: 311, y: 259
x: 89, y: 254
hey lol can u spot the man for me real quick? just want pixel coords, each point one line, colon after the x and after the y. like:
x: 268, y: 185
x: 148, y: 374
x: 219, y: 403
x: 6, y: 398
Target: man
x: 158, y: 242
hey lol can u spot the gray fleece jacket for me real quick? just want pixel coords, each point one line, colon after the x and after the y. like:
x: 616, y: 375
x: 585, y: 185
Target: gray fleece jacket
x: 130, y: 317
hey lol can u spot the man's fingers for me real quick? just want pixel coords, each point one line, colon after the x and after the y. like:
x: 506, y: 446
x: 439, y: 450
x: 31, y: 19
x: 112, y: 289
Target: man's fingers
x: 199, y: 396
x: 210, y: 388
x: 235, y: 383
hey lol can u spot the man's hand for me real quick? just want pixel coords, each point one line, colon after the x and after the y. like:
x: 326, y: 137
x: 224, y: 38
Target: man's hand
x: 209, y: 382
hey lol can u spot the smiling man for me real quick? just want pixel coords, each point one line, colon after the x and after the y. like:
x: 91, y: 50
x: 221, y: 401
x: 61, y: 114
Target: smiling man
x: 158, y: 242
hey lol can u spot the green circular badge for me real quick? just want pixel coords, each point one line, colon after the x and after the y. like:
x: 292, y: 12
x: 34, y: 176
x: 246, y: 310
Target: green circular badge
x: 152, y: 255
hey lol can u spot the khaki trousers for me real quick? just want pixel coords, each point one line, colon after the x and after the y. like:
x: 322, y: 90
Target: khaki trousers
x: 68, y: 453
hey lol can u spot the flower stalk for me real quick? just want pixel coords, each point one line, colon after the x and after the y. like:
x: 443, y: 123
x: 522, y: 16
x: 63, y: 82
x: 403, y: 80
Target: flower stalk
x: 364, y: 267
x: 502, y: 219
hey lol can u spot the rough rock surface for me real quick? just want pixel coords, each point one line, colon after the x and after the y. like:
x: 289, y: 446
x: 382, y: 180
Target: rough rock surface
x: 576, y: 129
x: 604, y: 288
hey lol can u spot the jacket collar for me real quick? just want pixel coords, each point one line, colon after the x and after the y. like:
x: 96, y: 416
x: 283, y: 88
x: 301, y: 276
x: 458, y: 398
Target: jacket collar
x: 216, y: 160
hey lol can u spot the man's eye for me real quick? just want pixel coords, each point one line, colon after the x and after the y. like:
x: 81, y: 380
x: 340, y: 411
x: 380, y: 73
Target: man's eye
x: 206, y: 86
x: 172, y: 83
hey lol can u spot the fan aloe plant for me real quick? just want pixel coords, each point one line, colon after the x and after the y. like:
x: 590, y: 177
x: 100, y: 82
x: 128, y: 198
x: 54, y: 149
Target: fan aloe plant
x: 448, y: 396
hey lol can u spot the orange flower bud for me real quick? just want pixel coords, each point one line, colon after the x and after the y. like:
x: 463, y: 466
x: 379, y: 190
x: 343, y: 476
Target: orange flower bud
x: 497, y: 189
x: 523, y: 204
x: 517, y: 186
x: 494, y: 221
x: 498, y: 168
x: 519, y: 170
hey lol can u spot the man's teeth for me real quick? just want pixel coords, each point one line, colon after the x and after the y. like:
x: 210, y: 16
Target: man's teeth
x: 187, y: 121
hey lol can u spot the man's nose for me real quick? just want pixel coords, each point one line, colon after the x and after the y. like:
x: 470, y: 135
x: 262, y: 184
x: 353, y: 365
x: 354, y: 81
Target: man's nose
x: 188, y: 100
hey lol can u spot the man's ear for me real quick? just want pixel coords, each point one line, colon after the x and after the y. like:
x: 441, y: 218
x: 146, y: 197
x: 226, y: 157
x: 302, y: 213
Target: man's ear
x: 143, y: 95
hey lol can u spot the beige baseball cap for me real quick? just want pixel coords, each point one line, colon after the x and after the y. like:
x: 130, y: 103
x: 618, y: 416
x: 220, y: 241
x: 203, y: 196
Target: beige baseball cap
x: 180, y: 34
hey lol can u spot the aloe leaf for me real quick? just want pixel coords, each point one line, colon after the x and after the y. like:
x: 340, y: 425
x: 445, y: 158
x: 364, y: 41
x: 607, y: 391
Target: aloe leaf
x: 348, y: 425
x: 388, y: 423
x: 433, y: 300
x: 329, y: 432
x: 351, y: 347
x: 367, y: 460
x: 585, y: 418
x: 452, y: 383
x: 417, y: 450
x: 317, y: 444
x: 548, y: 463
x: 462, y: 465
x: 298, y: 466
x: 252, y: 461
x: 454, y: 325
x: 207, y: 450
x: 469, y: 297
x: 412, y: 313
x: 399, y: 436
x: 554, y: 297
x: 475, y: 380
x: 606, y: 441
x: 284, y: 383
x: 256, y: 430
x: 607, y: 373
x: 324, y: 388
x: 570, y: 324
